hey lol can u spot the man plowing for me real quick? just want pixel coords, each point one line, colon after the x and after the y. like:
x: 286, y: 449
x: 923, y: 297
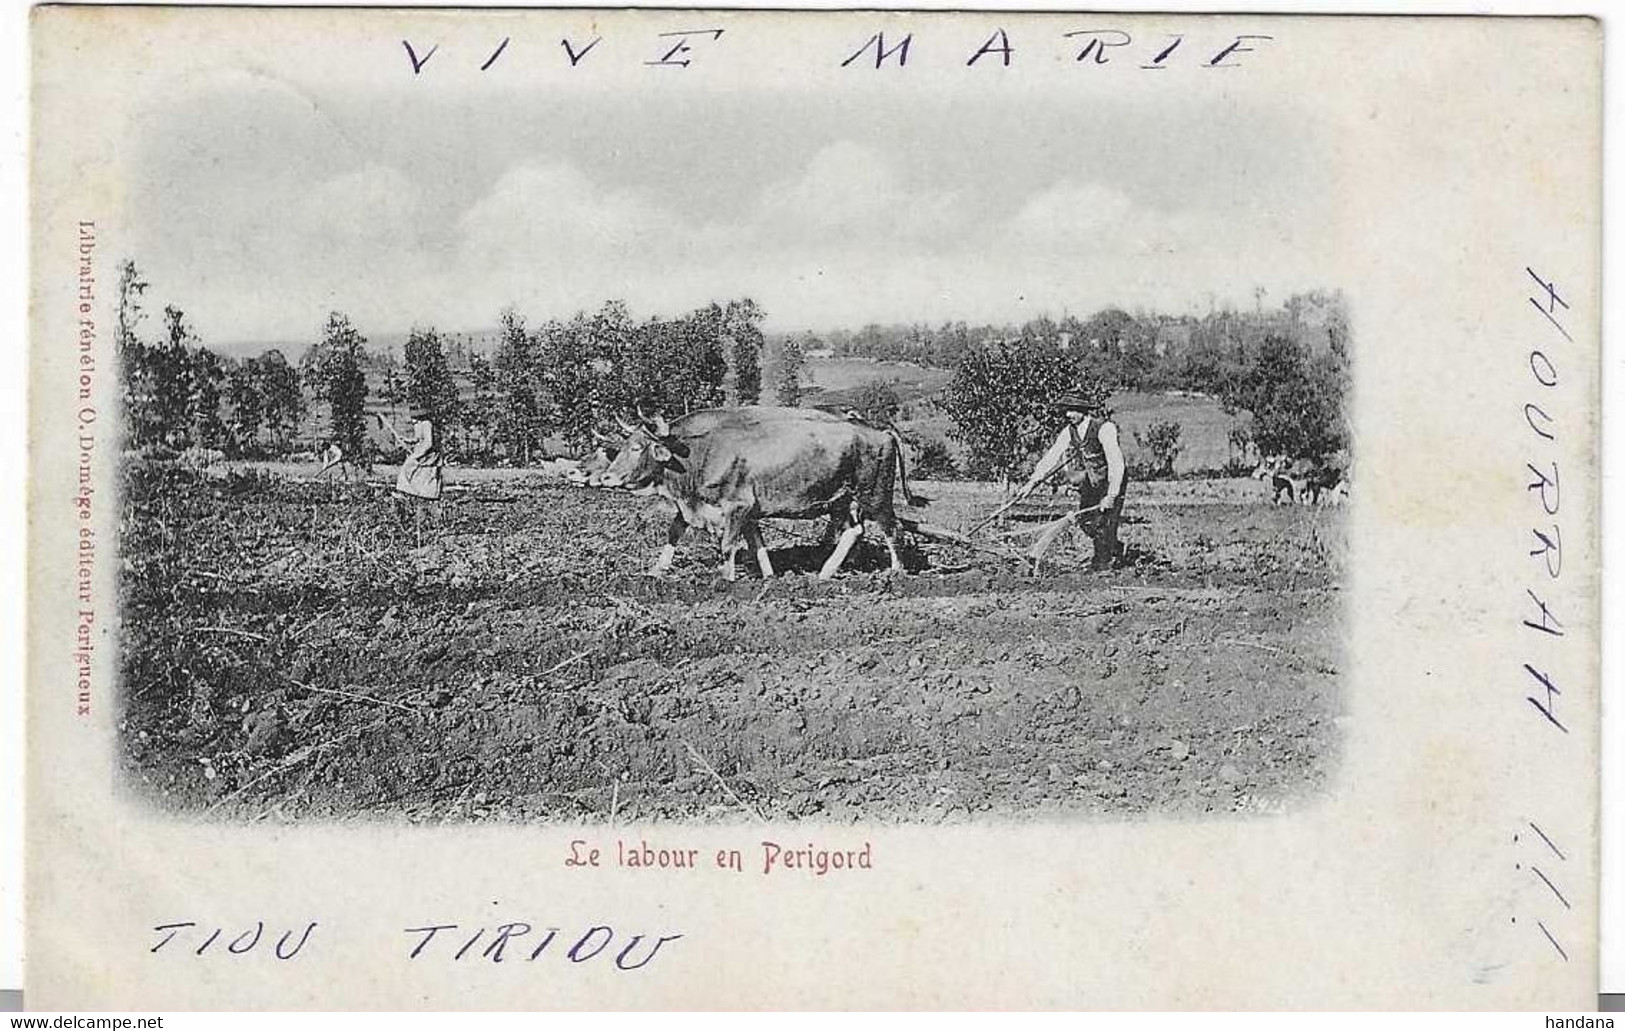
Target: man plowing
x: 1086, y: 455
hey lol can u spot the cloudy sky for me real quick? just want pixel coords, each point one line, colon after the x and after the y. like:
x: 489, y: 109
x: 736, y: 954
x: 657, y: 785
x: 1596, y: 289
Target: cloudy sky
x: 261, y: 207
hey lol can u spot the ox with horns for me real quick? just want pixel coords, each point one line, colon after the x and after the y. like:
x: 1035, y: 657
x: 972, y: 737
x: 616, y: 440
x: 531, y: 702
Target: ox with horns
x: 725, y: 469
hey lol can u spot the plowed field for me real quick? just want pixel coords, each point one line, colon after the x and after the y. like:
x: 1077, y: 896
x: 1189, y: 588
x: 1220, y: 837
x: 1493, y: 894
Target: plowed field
x: 289, y: 652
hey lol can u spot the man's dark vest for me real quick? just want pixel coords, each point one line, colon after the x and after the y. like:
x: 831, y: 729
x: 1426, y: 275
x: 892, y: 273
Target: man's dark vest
x: 1086, y: 451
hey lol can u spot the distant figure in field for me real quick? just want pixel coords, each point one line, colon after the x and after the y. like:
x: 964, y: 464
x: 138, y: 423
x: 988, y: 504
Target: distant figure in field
x: 333, y: 457
x: 1087, y: 455
x: 422, y: 478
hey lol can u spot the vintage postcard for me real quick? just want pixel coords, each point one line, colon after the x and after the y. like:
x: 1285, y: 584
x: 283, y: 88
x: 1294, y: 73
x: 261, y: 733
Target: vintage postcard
x: 722, y: 509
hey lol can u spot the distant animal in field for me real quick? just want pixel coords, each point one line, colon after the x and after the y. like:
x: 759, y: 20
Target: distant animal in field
x: 1291, y: 481
x: 580, y: 471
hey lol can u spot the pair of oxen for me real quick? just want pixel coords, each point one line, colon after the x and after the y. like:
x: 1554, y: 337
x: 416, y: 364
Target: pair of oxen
x: 726, y: 469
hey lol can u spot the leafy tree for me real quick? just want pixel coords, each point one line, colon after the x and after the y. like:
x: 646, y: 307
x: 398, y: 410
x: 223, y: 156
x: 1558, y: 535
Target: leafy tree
x: 393, y: 384
x: 429, y: 383
x: 611, y: 346
x: 334, y: 366
x: 482, y: 397
x: 683, y: 365
x: 1109, y: 331
x: 130, y: 288
x: 172, y: 389
x: 949, y: 345
x: 180, y: 393
x: 877, y: 401
x: 567, y: 376
x: 1161, y: 440
x: 933, y: 460
x: 586, y: 368
x: 1243, y: 449
x: 1321, y: 312
x: 792, y: 360
x: 1208, y: 365
x: 519, y: 420
x: 1296, y: 400
x: 245, y: 392
x: 1000, y: 402
x: 1119, y: 347
x: 742, y: 324
x: 282, y: 400
x: 870, y: 341
x: 674, y: 366
x: 136, y: 371
x: 169, y: 367
x: 204, y: 378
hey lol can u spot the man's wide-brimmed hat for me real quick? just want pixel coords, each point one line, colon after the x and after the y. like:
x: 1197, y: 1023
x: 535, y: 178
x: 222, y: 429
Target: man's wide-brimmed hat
x: 1077, y: 403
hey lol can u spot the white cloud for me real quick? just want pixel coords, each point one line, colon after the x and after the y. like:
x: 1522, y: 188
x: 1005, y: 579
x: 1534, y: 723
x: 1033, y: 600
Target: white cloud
x: 853, y: 233
x: 258, y: 204
x: 374, y: 206
x: 1071, y: 211
x: 554, y: 215
x: 549, y: 240
x: 853, y: 195
x: 842, y: 240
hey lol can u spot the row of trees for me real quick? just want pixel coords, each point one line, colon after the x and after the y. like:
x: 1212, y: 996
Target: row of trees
x: 1289, y: 397
x: 1286, y: 370
x: 1129, y: 351
x: 178, y: 393
x: 566, y: 378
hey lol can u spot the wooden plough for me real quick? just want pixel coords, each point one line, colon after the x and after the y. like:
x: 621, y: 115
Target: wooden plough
x: 1055, y: 521
x: 1044, y: 533
x: 934, y: 532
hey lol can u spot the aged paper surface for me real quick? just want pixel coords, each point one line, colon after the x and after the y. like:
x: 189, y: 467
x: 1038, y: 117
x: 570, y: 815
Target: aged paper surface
x: 288, y: 750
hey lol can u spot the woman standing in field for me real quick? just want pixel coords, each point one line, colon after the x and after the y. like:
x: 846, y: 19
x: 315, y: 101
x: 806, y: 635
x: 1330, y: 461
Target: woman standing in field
x: 421, y: 479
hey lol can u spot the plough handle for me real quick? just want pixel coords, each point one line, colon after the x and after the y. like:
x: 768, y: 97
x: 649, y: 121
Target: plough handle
x: 1001, y: 510
x: 1008, y: 505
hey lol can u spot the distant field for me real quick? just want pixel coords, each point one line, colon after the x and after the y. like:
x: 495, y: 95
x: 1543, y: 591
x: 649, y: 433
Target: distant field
x: 1204, y: 428
x: 1204, y: 425
x: 842, y: 375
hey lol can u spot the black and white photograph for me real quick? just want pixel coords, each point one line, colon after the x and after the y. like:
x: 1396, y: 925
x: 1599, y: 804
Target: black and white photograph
x: 494, y: 459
